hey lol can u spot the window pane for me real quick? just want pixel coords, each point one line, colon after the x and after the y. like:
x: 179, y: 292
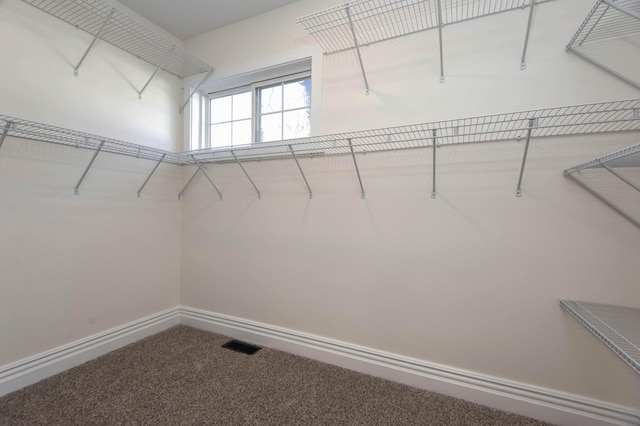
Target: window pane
x: 270, y: 127
x: 220, y: 135
x: 271, y: 99
x: 242, y: 106
x: 297, y: 94
x: 221, y: 109
x: 297, y: 124
x: 242, y: 132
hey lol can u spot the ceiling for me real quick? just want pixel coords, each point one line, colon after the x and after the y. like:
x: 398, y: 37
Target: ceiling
x: 188, y: 18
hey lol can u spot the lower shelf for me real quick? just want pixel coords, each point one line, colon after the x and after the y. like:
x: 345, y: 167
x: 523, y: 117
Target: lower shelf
x: 617, y: 326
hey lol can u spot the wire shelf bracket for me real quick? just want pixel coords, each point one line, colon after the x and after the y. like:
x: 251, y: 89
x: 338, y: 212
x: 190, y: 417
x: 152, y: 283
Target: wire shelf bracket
x: 628, y: 157
x: 607, y: 20
x: 293, y: 154
x: 105, y: 22
x: 355, y: 163
x: 433, y: 144
x: 76, y: 190
x: 246, y: 174
x: 360, y: 23
x: 5, y: 131
x: 532, y: 123
x: 198, y: 170
x: 618, y: 327
x: 93, y: 42
x: 151, y: 174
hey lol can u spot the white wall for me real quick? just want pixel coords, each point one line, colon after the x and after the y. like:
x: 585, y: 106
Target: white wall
x: 470, y: 280
x: 73, y: 266
x: 37, y: 56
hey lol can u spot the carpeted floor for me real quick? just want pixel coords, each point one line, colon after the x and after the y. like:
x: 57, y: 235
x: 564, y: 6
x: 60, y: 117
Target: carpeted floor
x: 183, y: 377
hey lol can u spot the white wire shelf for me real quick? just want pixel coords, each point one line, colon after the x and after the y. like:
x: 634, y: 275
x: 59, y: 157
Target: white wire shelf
x: 613, y: 159
x: 125, y: 33
x: 363, y: 22
x: 615, y: 116
x: 569, y: 120
x: 379, y: 20
x: 25, y: 129
x: 608, y: 19
x: 618, y: 327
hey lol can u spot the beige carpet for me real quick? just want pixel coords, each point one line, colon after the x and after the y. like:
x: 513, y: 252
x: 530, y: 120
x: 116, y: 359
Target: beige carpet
x: 183, y: 377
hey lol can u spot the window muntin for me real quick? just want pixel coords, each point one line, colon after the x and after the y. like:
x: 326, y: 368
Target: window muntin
x: 284, y: 110
x: 272, y: 110
x: 230, y: 118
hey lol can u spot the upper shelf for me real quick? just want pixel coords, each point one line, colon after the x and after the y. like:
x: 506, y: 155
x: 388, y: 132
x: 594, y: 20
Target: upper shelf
x: 378, y: 20
x: 125, y: 33
x: 569, y: 120
x: 607, y: 20
x: 363, y: 22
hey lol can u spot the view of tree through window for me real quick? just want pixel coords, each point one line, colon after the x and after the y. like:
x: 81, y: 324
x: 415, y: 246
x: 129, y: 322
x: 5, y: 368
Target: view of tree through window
x: 284, y: 110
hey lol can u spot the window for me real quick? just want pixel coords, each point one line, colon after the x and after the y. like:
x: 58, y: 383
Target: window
x: 230, y: 120
x: 266, y: 111
x: 284, y: 110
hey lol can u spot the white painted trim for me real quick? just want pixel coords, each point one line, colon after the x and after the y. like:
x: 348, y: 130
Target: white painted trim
x: 543, y: 404
x: 540, y: 403
x: 33, y: 369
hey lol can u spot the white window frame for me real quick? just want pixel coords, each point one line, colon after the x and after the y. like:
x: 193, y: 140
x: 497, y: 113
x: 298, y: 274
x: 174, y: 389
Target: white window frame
x: 304, y: 60
x: 253, y: 88
x: 269, y: 83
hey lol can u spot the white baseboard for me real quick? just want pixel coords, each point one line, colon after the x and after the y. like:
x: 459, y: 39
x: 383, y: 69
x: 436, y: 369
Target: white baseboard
x: 543, y: 404
x: 33, y: 369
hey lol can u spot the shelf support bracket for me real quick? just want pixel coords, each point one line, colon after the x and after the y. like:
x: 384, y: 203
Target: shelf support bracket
x: 357, y: 45
x: 301, y: 172
x: 76, y: 190
x: 188, y: 182
x: 206, y: 77
x: 440, y: 42
x: 523, y: 63
x: 161, y: 66
x: 433, y: 191
x: 207, y: 176
x: 604, y: 200
x: 532, y: 122
x: 95, y: 38
x: 246, y: 174
x: 4, y: 132
x: 622, y: 178
x: 151, y: 174
x: 355, y: 163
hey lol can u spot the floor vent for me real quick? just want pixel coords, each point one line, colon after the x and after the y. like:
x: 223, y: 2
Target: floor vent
x: 238, y: 346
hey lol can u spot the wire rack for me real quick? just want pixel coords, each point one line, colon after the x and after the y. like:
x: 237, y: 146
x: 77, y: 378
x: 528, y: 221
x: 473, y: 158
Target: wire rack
x: 617, y: 327
x: 19, y: 128
x: 125, y: 33
x: 608, y: 19
x: 569, y: 120
x: 630, y: 152
x: 378, y: 20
